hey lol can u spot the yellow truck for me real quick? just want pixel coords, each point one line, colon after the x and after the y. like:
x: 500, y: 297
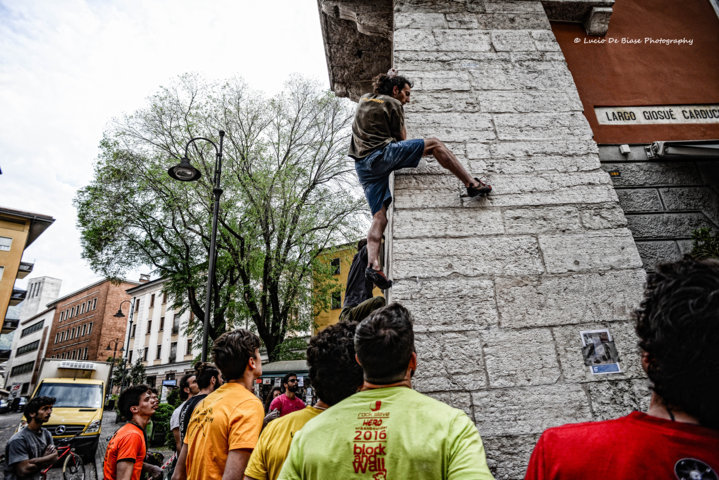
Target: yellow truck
x: 79, y: 389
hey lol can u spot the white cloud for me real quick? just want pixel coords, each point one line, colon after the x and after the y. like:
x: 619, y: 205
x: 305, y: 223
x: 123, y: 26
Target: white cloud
x: 68, y: 67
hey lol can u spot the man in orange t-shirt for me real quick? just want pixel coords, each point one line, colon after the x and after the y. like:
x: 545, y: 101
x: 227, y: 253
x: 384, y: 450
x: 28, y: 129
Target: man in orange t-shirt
x: 225, y: 425
x: 126, y: 450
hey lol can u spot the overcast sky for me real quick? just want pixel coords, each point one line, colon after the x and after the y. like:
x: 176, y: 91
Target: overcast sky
x: 67, y: 67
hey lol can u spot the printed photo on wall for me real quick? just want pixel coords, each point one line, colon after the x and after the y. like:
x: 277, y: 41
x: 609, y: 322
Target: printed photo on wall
x: 599, y: 352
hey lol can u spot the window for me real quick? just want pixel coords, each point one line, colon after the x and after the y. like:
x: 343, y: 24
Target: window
x: 74, y: 332
x: 94, y: 303
x: 175, y: 325
x: 336, y: 300
x: 164, y: 298
x: 24, y: 368
x: 189, y: 347
x: 132, y: 332
x: 151, y: 380
x: 82, y: 308
x: 72, y: 312
x: 32, y: 328
x: 144, y: 355
x: 84, y: 355
x: 149, y: 326
x: 83, y: 329
x: 162, y: 323
x: 62, y: 316
x: 25, y: 388
x: 30, y: 347
x: 335, y: 263
x: 173, y: 352
x: 152, y: 300
x: 129, y: 357
x: 2, y: 270
x: 64, y: 335
x: 57, y: 337
x: 5, y: 244
x: 159, y: 352
x: 89, y: 328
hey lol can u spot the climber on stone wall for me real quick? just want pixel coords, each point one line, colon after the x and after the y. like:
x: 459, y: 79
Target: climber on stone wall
x: 379, y: 146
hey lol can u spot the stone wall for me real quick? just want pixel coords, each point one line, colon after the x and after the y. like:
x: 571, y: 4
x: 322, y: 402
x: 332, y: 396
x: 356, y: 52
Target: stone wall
x: 501, y: 287
x: 664, y: 200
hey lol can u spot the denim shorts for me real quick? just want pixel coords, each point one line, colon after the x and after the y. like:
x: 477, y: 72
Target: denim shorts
x: 374, y: 170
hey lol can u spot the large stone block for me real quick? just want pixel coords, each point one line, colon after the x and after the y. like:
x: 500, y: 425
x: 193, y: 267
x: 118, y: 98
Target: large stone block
x: 501, y: 75
x: 705, y: 199
x: 446, y: 223
x: 414, y: 39
x: 640, y: 199
x: 663, y: 225
x: 502, y: 101
x: 419, y: 21
x: 569, y: 347
x: 512, y: 40
x: 464, y: 40
x: 440, y: 101
x: 654, y: 174
x: 550, y: 148
x: 449, y: 361
x: 562, y: 195
x: 512, y: 6
x: 463, y: 20
x: 568, y: 299
x: 508, y: 456
x: 529, y: 410
x: 475, y: 126
x: 654, y: 252
x: 603, y: 217
x: 402, y: 7
x: 541, y: 126
x: 424, y: 81
x: 534, y: 164
x: 516, y: 358
x: 516, y: 21
x: 455, y: 303
x: 465, y: 256
x: 563, y: 218
x: 589, y: 251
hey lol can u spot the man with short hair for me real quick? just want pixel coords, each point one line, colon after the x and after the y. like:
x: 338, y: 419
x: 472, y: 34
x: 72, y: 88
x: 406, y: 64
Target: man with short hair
x: 188, y: 389
x: 387, y: 431
x: 678, y: 328
x: 379, y: 146
x: 359, y: 302
x: 335, y: 375
x: 31, y: 449
x: 288, y: 402
x: 208, y: 380
x: 225, y: 425
x: 126, y: 450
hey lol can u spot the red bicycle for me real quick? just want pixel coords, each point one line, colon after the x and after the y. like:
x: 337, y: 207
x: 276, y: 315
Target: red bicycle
x: 73, y: 467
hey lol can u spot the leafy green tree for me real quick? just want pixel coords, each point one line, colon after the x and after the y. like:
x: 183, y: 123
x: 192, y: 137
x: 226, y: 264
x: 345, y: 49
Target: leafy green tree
x: 288, y: 194
x: 125, y: 374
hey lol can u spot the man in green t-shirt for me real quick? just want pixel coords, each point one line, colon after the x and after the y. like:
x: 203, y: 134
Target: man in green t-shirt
x: 387, y: 431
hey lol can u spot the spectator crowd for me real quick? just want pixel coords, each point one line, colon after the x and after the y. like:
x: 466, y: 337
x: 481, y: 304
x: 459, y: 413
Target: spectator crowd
x: 369, y: 423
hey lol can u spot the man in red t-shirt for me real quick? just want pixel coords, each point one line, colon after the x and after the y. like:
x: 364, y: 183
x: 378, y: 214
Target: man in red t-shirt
x: 678, y: 437
x: 126, y: 450
x: 288, y: 402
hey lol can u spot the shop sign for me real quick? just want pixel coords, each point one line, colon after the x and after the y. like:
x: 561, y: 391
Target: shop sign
x: 654, y: 115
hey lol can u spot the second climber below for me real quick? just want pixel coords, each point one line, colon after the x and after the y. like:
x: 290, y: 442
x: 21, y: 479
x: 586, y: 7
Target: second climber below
x: 379, y: 146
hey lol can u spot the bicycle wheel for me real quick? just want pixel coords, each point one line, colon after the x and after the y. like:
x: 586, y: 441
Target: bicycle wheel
x: 73, y: 468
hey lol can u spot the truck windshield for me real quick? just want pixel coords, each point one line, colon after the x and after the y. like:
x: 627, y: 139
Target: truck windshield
x: 73, y: 394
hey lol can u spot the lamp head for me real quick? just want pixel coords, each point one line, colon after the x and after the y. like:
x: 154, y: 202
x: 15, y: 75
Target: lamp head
x: 184, y: 172
x: 119, y: 313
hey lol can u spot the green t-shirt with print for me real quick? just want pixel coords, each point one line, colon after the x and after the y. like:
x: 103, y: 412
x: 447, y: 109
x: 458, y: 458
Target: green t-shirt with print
x: 388, y: 434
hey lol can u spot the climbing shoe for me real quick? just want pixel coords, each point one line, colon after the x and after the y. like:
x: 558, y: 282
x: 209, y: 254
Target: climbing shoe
x: 378, y: 278
x: 482, y: 189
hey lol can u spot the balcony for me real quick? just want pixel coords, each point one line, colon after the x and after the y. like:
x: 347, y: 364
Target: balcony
x: 9, y: 325
x: 25, y: 269
x: 18, y: 295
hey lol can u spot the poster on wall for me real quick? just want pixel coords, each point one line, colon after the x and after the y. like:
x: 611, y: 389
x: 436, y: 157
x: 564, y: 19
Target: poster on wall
x: 599, y: 352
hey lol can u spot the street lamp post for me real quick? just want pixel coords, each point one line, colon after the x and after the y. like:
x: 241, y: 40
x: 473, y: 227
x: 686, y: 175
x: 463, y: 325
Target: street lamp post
x: 185, y: 172
x: 119, y: 314
x: 112, y: 365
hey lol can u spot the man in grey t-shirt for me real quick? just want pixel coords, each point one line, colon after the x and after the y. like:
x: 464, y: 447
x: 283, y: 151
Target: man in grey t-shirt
x: 31, y: 449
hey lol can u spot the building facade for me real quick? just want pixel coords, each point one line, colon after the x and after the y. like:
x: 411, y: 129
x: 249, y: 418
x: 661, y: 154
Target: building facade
x: 507, y: 291
x: 158, y: 336
x: 18, y: 230
x: 31, y: 338
x: 84, y: 326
